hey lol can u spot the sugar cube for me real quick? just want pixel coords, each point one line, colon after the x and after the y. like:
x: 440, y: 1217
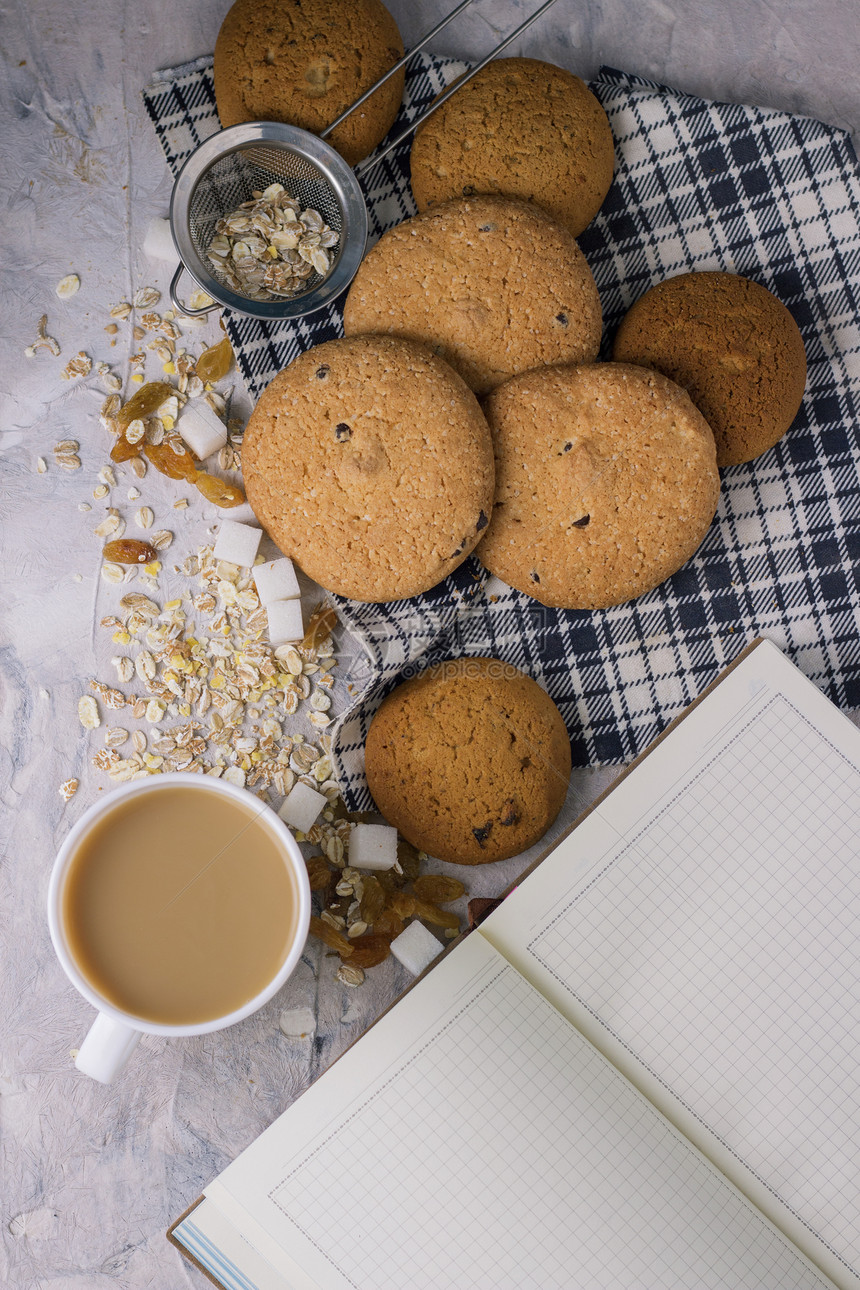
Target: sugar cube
x: 301, y: 807
x: 415, y: 947
x: 202, y: 429
x: 158, y: 243
x: 237, y: 543
x: 276, y: 580
x: 373, y: 846
x: 285, y: 622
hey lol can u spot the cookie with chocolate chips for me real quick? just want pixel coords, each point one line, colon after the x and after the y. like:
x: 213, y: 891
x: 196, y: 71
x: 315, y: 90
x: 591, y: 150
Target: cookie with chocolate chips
x: 606, y: 483
x: 470, y: 760
x: 369, y: 462
x: 304, y: 62
x: 492, y: 285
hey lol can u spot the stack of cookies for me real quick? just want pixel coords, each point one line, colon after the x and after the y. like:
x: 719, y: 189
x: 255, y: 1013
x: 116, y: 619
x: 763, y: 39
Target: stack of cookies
x: 465, y: 409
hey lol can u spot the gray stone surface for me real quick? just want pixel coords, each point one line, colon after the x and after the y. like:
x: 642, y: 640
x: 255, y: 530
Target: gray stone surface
x: 92, y: 1175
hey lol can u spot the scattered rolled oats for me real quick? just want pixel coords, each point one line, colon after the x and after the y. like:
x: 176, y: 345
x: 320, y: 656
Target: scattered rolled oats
x: 351, y: 976
x: 138, y: 466
x: 100, y: 491
x: 122, y: 310
x: 146, y: 298
x: 115, y: 736
x: 134, y: 431
x: 68, y: 789
x: 41, y: 465
x: 42, y: 340
x: 88, y: 712
x: 144, y: 517
x: 113, y: 573
x: 80, y: 365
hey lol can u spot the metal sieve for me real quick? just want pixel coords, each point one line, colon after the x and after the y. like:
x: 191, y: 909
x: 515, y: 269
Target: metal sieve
x: 232, y: 164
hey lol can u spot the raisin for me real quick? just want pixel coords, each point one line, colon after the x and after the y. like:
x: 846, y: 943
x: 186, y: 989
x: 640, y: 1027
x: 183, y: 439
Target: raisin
x: 438, y: 888
x: 482, y: 833
x: 218, y: 490
x: 175, y: 465
x: 430, y: 913
x: 319, y: 874
x: 144, y: 402
x: 534, y: 575
x: 401, y: 904
x: 368, y: 950
x: 567, y: 447
x: 372, y: 899
x: 342, y: 432
x: 468, y: 190
x: 129, y: 551
x: 482, y: 522
x: 581, y: 524
x: 322, y: 623
x: 510, y: 815
x: 389, y: 924
x: 215, y: 362
x: 562, y: 318
x: 322, y: 372
x: 407, y: 858
x: 123, y: 450
x: 330, y: 936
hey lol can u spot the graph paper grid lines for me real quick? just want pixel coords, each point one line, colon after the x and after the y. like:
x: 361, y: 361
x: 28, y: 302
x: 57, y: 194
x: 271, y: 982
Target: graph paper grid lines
x: 413, y: 1187
x: 720, y: 946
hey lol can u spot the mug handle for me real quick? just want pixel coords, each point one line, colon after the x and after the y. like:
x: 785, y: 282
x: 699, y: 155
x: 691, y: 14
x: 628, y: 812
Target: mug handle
x: 106, y: 1049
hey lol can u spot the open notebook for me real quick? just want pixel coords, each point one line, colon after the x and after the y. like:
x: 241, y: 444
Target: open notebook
x: 643, y: 1070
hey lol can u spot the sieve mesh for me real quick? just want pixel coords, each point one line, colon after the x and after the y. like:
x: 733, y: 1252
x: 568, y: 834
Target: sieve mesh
x: 226, y: 170
x: 234, y: 178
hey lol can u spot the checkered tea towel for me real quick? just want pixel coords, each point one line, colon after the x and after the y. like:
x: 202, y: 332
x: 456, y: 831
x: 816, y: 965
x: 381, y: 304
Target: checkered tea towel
x: 698, y: 185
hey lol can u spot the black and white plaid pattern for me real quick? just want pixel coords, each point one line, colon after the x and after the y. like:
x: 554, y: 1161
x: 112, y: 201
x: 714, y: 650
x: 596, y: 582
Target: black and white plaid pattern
x: 699, y: 185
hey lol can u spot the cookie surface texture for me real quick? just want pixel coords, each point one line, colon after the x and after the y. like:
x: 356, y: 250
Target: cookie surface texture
x: 303, y: 62
x: 370, y: 464
x: 732, y: 345
x: 492, y: 285
x: 470, y: 760
x: 606, y: 483
x: 520, y: 128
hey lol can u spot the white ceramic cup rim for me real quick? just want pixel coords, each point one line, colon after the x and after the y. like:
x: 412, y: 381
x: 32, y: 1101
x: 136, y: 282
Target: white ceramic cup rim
x: 137, y: 788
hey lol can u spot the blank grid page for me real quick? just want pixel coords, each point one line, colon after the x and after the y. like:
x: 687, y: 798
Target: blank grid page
x: 721, y: 945
x: 506, y: 1154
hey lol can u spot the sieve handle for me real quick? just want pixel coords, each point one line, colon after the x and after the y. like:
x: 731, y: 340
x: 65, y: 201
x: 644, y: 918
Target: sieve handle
x: 396, y: 68
x: 364, y: 166
x: 178, y: 304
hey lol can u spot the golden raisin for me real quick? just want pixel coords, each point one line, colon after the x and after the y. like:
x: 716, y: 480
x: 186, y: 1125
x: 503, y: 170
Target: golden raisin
x: 407, y: 858
x: 319, y: 874
x: 123, y: 450
x: 388, y: 924
x: 215, y: 362
x: 175, y: 465
x: 432, y: 914
x: 218, y: 490
x: 437, y: 888
x: 368, y: 950
x: 322, y: 623
x: 144, y: 402
x: 129, y: 551
x: 401, y: 904
x: 330, y: 936
x: 372, y: 899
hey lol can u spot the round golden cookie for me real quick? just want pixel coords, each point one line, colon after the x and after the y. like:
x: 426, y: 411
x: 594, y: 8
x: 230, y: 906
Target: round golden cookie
x: 606, y: 483
x: 370, y: 464
x: 734, y: 348
x: 470, y: 760
x: 494, y: 286
x: 304, y: 62
x: 520, y: 128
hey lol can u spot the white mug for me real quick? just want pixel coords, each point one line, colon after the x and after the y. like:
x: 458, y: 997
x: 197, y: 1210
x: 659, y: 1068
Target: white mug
x: 115, y: 1034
